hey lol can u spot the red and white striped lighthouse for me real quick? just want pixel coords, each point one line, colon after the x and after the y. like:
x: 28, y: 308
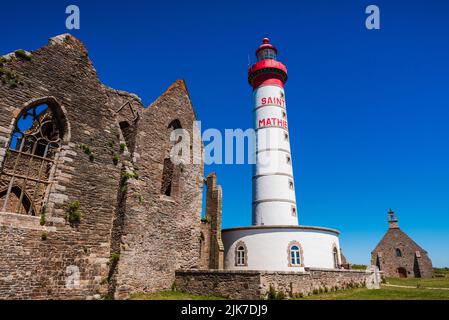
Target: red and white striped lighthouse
x: 274, y: 199
x: 276, y: 241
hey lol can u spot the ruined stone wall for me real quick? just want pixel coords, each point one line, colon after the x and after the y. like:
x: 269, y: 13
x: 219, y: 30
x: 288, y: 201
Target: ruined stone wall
x: 414, y: 259
x: 212, y: 248
x: 254, y: 285
x: 161, y: 233
x: 62, y: 76
x: 135, y: 229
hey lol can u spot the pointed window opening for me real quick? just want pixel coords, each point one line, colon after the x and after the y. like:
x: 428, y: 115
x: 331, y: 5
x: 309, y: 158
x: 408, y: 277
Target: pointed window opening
x: 30, y: 156
x: 167, y: 178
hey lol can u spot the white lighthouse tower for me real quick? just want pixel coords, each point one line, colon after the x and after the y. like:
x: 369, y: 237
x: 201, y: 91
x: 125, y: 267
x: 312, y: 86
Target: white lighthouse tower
x: 276, y: 241
x: 274, y: 199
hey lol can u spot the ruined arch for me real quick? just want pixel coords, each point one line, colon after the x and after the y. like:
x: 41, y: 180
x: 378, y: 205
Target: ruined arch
x: 15, y: 202
x: 37, y: 134
x: 295, y: 253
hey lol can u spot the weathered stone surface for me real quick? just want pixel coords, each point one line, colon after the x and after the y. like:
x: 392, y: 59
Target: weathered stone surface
x: 397, y: 255
x: 130, y: 238
x: 212, y: 248
x: 254, y: 285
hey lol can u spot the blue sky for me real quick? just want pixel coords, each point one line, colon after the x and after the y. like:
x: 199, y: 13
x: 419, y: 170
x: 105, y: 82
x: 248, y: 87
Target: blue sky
x: 368, y: 110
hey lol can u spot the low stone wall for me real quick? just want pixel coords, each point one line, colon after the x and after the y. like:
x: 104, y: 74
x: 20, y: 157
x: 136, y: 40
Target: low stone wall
x: 254, y: 285
x: 313, y: 281
x: 237, y: 285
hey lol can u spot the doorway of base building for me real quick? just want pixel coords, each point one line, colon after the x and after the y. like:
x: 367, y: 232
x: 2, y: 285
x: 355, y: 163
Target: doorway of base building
x: 402, y: 273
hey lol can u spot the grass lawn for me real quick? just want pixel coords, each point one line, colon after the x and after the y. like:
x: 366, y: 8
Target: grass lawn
x: 394, y: 293
x: 385, y: 293
x: 424, y: 283
x: 170, y: 295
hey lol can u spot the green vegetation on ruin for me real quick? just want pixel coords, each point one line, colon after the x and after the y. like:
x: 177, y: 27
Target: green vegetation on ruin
x: 22, y: 54
x: 73, y: 212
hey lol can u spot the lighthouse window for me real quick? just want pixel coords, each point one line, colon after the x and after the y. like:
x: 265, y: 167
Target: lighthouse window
x: 295, y: 256
x: 289, y: 160
x: 294, y: 214
x: 266, y: 54
x: 286, y: 136
x: 284, y: 115
x: 290, y: 184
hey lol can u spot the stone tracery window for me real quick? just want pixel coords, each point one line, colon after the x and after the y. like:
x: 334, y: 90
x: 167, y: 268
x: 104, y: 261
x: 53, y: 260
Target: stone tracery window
x: 30, y: 156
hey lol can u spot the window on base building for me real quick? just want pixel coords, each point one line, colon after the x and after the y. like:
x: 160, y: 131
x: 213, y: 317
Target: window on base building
x: 241, y: 255
x: 398, y: 253
x: 295, y: 256
x: 294, y: 213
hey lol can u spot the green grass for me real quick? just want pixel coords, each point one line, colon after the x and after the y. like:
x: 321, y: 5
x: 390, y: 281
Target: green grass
x: 386, y: 293
x: 394, y: 293
x: 170, y: 295
x: 424, y: 283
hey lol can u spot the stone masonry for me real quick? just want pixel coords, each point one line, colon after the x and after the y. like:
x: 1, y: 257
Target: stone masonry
x: 212, y: 248
x: 255, y: 285
x: 108, y: 168
x: 397, y: 255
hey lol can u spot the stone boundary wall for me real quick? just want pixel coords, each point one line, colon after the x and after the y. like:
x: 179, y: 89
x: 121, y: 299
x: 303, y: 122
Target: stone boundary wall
x: 255, y: 285
x: 238, y: 285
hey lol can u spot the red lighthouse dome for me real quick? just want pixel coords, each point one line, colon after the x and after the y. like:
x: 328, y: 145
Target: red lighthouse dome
x: 267, y: 70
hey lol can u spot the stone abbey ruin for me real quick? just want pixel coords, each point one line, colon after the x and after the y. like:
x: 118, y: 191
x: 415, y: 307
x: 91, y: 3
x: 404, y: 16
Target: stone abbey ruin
x: 90, y: 204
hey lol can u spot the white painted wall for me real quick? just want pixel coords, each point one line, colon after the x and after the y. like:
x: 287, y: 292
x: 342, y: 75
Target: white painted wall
x: 268, y: 248
x: 273, y: 197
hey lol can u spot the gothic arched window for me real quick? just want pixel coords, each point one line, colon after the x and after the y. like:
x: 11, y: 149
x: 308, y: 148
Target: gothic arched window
x: 398, y: 253
x: 31, y: 154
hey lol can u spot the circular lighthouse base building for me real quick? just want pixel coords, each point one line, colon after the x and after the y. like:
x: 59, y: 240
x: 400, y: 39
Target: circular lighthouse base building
x: 281, y: 248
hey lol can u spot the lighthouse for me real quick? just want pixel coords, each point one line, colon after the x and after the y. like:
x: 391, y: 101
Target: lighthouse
x: 275, y: 241
x: 274, y: 199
